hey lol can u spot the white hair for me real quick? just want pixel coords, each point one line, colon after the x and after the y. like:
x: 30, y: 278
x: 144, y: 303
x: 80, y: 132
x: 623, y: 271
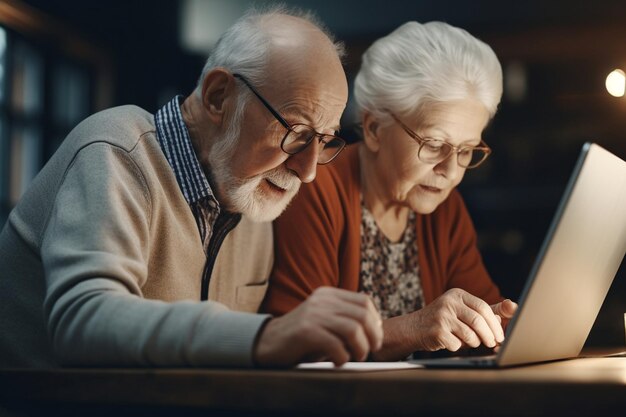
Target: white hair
x: 421, y: 64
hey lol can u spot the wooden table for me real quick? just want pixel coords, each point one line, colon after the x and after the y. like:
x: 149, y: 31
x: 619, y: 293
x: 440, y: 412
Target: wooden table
x: 583, y: 387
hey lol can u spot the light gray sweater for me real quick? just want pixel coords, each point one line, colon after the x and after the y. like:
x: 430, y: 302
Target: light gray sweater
x: 101, y: 262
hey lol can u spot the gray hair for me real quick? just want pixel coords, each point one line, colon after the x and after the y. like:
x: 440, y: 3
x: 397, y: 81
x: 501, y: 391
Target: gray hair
x: 244, y: 47
x: 420, y: 64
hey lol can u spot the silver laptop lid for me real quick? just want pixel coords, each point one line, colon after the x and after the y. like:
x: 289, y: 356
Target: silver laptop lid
x: 576, y: 265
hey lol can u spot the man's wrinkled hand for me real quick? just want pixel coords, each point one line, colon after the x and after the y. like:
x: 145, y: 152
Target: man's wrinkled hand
x: 332, y: 324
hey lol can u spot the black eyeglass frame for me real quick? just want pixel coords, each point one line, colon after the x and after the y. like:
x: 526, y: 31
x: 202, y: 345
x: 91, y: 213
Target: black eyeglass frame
x: 341, y: 144
x: 454, y: 149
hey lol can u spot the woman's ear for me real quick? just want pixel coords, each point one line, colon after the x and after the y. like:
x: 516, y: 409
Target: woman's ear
x: 217, y: 89
x: 371, y: 132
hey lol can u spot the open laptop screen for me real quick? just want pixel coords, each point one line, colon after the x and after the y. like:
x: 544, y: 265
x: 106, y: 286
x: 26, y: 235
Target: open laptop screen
x: 579, y: 258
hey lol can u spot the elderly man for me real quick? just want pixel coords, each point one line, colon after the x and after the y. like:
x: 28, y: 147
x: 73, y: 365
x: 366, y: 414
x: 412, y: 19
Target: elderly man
x: 108, y: 258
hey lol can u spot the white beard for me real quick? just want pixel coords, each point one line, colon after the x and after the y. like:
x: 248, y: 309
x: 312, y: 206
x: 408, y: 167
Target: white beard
x: 246, y: 196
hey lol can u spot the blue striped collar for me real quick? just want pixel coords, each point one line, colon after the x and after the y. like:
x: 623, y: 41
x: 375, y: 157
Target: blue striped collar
x: 173, y: 136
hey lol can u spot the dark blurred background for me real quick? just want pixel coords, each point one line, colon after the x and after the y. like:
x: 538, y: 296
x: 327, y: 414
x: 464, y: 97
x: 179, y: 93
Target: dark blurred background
x: 61, y: 60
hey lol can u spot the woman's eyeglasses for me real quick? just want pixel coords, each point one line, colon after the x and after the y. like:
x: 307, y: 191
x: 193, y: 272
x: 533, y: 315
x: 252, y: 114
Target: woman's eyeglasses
x: 433, y: 151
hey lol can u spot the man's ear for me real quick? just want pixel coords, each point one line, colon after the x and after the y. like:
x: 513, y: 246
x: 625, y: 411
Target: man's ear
x: 371, y: 132
x: 218, y: 87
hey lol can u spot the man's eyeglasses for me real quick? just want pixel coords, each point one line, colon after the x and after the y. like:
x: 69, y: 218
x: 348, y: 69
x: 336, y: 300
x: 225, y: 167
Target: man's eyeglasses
x: 433, y: 151
x: 300, y: 135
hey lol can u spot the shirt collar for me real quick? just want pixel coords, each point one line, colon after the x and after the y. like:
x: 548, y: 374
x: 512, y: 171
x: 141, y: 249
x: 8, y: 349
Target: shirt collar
x: 173, y: 136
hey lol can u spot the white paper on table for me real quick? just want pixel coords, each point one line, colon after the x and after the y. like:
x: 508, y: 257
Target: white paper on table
x: 358, y: 366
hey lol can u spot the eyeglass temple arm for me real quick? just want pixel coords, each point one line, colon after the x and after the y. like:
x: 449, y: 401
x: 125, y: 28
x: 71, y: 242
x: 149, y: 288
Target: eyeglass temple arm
x: 265, y: 103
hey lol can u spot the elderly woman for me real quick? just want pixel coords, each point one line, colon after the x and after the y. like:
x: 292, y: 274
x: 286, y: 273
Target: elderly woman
x: 384, y: 218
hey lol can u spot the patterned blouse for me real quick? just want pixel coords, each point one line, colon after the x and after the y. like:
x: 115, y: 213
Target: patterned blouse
x: 390, y: 270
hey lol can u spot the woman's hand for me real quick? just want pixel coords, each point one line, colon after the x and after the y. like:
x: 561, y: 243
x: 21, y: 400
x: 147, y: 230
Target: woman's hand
x: 505, y: 310
x: 454, y: 320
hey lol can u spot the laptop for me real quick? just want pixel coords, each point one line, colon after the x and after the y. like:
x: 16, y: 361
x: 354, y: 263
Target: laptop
x: 579, y: 258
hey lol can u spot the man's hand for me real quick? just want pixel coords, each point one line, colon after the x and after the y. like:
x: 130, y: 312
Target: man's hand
x: 456, y: 319
x: 332, y: 324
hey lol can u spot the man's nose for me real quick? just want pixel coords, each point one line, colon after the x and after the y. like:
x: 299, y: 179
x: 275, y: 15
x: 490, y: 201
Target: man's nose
x: 304, y: 164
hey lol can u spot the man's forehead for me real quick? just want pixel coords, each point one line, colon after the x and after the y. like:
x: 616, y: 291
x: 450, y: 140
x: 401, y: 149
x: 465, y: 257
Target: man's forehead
x: 319, y: 120
x: 318, y: 102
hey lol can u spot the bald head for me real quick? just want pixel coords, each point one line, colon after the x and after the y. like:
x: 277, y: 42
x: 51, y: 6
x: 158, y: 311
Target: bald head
x: 247, y: 46
x: 300, y: 53
x: 292, y: 34
x: 287, y: 26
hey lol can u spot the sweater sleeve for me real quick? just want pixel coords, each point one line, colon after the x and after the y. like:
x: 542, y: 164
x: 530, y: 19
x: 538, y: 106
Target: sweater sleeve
x: 465, y: 265
x: 95, y: 250
x: 306, y: 246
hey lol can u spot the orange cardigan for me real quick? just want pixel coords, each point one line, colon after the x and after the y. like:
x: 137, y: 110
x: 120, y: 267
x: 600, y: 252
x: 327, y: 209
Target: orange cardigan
x: 317, y: 242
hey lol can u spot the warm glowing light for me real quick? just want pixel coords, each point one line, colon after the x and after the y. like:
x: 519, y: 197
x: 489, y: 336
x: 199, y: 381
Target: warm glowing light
x: 616, y: 83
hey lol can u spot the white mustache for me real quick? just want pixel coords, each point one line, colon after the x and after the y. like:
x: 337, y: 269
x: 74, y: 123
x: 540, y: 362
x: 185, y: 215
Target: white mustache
x: 283, y: 179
